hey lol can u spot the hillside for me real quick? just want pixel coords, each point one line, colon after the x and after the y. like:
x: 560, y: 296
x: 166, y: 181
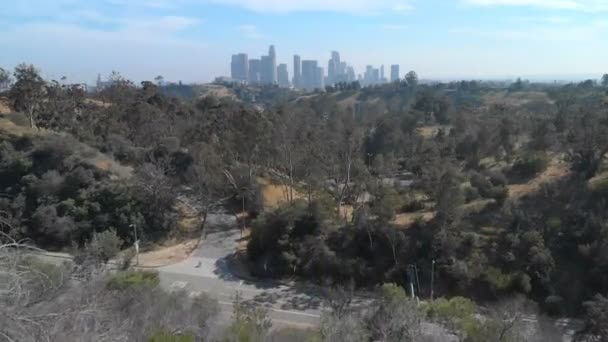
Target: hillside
x: 4, y: 106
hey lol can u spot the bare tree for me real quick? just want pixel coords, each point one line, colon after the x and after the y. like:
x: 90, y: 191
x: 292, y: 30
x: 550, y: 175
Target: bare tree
x: 208, y: 178
x: 5, y: 80
x: 507, y: 320
x: 343, y: 146
x: 394, y: 317
x: 346, y: 328
x: 40, y: 303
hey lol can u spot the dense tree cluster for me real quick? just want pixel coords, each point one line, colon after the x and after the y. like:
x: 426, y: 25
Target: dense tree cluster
x: 506, y: 190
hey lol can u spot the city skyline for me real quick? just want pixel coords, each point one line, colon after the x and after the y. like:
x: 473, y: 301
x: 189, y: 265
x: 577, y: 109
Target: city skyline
x: 189, y: 40
x: 307, y: 74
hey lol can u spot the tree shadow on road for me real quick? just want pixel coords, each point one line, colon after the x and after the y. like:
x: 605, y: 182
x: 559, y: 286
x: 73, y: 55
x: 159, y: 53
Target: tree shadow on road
x: 287, y: 297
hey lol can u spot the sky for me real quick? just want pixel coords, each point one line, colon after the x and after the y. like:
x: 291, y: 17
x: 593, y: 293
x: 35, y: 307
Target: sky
x: 193, y: 40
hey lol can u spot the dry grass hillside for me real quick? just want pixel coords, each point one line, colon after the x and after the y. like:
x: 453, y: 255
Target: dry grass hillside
x: 4, y: 106
x: 215, y: 90
x: 17, y: 125
x: 556, y: 170
x: 516, y: 98
x: 275, y: 194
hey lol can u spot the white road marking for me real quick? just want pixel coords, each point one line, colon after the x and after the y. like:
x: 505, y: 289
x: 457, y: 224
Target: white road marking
x: 178, y: 285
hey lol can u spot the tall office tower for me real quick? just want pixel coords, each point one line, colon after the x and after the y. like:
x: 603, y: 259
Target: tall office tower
x: 342, y: 69
x: 350, y: 75
x: 266, y: 70
x: 382, y: 73
x: 331, y: 72
x: 319, y: 79
x: 335, y: 56
x: 334, y: 70
x: 240, y: 67
x: 309, y: 74
x: 394, y: 72
x: 368, y: 75
x: 375, y: 76
x: 255, y: 69
x: 297, y: 71
x: 273, y: 61
x: 283, y: 76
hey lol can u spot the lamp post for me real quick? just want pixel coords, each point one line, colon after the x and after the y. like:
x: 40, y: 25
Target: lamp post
x: 136, y: 244
x: 432, y: 279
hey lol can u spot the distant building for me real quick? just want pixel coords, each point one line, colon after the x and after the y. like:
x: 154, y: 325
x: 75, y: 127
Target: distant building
x: 309, y: 74
x: 332, y: 69
x: 342, y: 68
x: 375, y: 76
x: 395, y: 73
x: 273, y: 64
x: 350, y: 75
x: 297, y: 71
x: 268, y: 72
x: 240, y: 67
x: 101, y: 85
x: 283, y: 76
x: 255, y: 69
x: 382, y: 73
x: 319, y: 79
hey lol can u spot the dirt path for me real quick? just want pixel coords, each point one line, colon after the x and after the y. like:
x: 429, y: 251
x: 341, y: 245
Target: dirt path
x: 557, y: 169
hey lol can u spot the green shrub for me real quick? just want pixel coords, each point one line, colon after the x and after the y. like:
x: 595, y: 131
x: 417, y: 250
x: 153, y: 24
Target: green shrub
x: 489, y: 189
x: 497, y: 280
x: 499, y: 193
x: 529, y: 165
x: 470, y: 194
x: 166, y: 336
x: 105, y: 245
x: 412, y: 204
x: 457, y: 313
x: 482, y: 184
x: 19, y: 119
x: 135, y: 279
x: 497, y: 178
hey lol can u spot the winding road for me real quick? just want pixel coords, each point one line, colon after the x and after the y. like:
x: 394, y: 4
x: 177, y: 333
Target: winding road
x: 207, y: 271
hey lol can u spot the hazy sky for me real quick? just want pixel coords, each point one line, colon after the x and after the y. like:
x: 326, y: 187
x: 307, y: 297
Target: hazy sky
x: 192, y: 40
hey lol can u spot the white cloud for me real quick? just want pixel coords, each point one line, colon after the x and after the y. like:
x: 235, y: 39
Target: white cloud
x: 250, y: 32
x: 349, y: 6
x: 594, y: 33
x: 555, y: 20
x: 394, y: 27
x: 163, y: 24
x: 579, y: 5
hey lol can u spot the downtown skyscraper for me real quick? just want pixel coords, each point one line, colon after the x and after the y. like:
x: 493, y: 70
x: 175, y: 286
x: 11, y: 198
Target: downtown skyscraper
x: 297, y: 71
x: 310, y: 75
x: 395, y: 72
x: 268, y: 73
x: 255, y: 71
x: 283, y: 76
x: 239, y: 67
x: 307, y: 74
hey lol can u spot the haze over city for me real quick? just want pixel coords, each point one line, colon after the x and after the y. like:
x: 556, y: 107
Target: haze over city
x: 191, y: 40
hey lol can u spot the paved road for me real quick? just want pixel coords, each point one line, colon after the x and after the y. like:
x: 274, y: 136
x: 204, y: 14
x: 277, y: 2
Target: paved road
x: 206, y: 271
x: 301, y: 305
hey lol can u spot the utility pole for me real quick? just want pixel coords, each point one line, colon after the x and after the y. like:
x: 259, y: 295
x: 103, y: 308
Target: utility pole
x: 432, y: 280
x: 136, y: 244
x: 411, y: 275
